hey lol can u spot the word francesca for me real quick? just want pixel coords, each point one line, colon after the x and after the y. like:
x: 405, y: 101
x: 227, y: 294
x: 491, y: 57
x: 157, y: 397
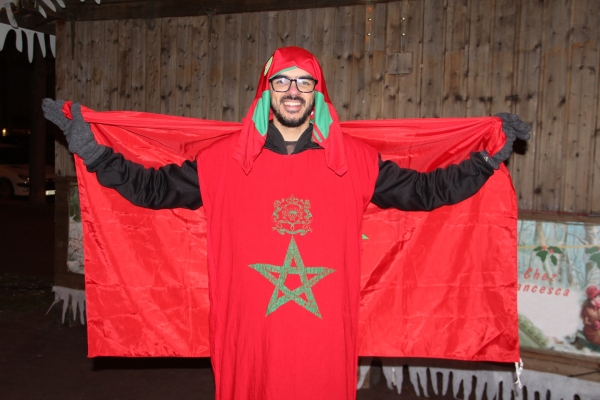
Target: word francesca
x: 542, y: 289
x: 542, y: 284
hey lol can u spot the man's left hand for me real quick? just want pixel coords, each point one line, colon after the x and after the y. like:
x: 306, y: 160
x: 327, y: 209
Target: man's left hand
x: 513, y: 127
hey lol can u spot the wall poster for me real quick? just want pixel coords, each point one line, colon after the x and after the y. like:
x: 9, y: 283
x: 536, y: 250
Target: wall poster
x: 75, y: 247
x: 559, y: 286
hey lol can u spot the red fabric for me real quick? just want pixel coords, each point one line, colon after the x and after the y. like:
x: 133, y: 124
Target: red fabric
x: 439, y: 284
x: 325, y: 120
x: 264, y: 345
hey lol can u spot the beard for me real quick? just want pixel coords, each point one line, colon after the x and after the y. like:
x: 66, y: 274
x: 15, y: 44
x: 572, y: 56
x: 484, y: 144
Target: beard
x: 292, y: 122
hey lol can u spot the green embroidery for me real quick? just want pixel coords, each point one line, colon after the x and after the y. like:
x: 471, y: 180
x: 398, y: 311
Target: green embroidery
x: 365, y: 237
x: 293, y: 257
x: 292, y: 215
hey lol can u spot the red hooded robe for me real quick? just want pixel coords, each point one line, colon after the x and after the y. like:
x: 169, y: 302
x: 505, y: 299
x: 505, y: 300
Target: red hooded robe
x: 284, y: 246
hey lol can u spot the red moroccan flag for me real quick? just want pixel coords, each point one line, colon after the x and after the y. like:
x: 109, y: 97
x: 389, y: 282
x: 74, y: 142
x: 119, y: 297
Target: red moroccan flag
x: 434, y: 284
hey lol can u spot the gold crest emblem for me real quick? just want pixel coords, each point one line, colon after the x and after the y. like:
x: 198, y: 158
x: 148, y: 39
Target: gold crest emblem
x: 292, y: 215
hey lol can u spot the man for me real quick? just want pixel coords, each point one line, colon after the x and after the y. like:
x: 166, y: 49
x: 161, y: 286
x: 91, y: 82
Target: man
x: 284, y: 200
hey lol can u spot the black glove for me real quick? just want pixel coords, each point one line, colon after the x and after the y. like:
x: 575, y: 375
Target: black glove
x: 513, y: 128
x: 78, y: 133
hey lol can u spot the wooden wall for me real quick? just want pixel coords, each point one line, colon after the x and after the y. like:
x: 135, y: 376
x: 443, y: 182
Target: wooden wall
x: 536, y: 58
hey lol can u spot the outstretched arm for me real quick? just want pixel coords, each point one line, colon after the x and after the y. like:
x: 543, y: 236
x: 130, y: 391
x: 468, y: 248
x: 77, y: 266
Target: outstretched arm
x: 409, y: 190
x: 170, y: 186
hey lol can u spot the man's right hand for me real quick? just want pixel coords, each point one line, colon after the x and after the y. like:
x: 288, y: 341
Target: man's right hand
x: 78, y: 133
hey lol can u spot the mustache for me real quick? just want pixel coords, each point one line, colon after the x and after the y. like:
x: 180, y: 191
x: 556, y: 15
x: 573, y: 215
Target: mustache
x: 293, y: 98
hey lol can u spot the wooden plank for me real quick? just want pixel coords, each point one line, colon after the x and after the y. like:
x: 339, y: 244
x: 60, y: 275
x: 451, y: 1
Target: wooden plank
x: 480, y: 74
x: 251, y: 65
x: 393, y: 43
x: 562, y: 363
x: 504, y: 92
x: 595, y: 186
x: 183, y: 76
x: 168, y: 65
x: 556, y: 216
x: 339, y: 87
x: 152, y: 85
x: 119, y: 9
x: 456, y: 59
x: 63, y: 36
x: 125, y: 64
x: 138, y: 64
x: 231, y: 68
x: 63, y: 160
x: 399, y: 63
x: 522, y: 167
x: 358, y: 99
x: 200, y: 92
x: 377, y: 61
x: 433, y: 58
x: 581, y: 109
x: 552, y: 132
x: 323, y: 38
x: 110, y: 82
x: 82, y: 61
x: 267, y: 38
x: 409, y: 91
x: 73, y: 71
x: 286, y: 28
x: 215, y: 67
x: 97, y: 63
x: 305, y: 23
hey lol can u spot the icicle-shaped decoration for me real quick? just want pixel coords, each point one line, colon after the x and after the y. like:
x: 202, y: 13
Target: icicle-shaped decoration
x: 50, y: 5
x: 76, y: 299
x: 519, y: 371
x: 364, y: 364
x: 30, y: 35
x: 494, y: 382
x: 6, y: 5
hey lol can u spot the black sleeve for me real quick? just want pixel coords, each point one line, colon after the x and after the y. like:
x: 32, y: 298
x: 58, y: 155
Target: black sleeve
x: 170, y: 186
x: 409, y: 190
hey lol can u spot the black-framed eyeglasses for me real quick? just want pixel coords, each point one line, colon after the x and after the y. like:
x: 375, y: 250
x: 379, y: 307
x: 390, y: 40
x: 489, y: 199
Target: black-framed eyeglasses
x: 283, y: 84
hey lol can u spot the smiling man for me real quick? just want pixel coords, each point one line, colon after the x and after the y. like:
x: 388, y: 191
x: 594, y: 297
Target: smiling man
x: 292, y: 101
x: 284, y: 200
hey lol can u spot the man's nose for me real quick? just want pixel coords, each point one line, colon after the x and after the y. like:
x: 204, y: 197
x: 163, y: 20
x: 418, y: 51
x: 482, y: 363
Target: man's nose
x: 294, y: 87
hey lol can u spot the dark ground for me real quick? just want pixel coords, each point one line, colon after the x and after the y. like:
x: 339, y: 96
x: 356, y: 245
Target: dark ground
x: 40, y: 358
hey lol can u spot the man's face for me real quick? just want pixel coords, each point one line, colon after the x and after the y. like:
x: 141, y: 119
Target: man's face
x: 292, y: 108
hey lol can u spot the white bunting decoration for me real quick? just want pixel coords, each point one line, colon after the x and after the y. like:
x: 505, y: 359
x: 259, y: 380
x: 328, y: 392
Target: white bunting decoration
x: 491, y: 381
x: 6, y: 5
x: 4, y: 29
x: 73, y: 297
x: 30, y: 35
x: 50, y: 5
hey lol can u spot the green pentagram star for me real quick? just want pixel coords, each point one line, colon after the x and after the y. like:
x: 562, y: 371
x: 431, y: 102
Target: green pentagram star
x: 286, y: 269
